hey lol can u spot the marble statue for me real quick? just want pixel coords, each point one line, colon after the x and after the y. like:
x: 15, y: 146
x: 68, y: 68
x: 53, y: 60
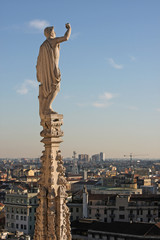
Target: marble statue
x: 48, y: 72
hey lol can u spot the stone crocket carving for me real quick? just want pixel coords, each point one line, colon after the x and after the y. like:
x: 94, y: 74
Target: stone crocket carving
x: 48, y: 73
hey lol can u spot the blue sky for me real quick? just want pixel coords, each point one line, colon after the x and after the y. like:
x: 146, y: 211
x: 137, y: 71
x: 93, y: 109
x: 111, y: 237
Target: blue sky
x: 110, y: 67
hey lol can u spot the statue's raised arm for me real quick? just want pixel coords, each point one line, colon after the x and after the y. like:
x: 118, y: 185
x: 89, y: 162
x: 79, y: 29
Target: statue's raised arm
x: 66, y: 35
x: 48, y: 73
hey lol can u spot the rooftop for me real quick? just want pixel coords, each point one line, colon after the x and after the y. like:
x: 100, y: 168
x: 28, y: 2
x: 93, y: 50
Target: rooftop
x: 141, y: 229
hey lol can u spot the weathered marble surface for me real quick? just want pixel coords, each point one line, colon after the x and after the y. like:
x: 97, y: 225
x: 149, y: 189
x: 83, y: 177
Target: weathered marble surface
x: 52, y: 215
x: 48, y: 72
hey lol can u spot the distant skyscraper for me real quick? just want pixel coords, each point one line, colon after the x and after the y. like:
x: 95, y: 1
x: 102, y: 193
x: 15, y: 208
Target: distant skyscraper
x: 83, y: 157
x: 102, y: 156
x: 96, y: 157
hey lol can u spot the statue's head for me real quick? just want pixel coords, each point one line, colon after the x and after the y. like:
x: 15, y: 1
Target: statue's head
x: 49, y: 32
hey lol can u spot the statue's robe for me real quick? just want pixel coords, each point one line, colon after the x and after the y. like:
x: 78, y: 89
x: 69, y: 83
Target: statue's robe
x: 47, y: 74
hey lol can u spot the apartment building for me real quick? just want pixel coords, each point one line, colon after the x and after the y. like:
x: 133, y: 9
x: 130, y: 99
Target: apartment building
x: 117, y: 207
x: 20, y: 209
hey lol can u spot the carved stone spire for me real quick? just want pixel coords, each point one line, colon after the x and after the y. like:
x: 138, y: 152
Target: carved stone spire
x: 52, y: 216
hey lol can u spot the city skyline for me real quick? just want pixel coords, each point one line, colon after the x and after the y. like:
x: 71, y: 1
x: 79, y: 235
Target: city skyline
x: 110, y: 76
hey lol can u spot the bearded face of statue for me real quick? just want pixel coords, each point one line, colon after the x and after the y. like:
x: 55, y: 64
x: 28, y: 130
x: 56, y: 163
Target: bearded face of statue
x: 49, y: 32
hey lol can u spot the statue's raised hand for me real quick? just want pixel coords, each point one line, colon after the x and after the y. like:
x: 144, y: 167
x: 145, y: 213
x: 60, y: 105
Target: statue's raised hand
x: 68, y: 26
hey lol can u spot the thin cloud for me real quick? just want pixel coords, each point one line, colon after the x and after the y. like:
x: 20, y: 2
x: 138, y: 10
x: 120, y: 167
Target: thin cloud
x: 26, y: 86
x: 101, y: 105
x: 132, y: 58
x: 158, y: 109
x: 38, y: 24
x: 104, y: 100
x: 74, y: 36
x: 107, y: 96
x: 114, y: 65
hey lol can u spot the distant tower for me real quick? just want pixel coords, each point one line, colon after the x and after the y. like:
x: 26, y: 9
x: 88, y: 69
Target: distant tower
x: 85, y: 174
x: 102, y: 156
x: 85, y: 202
x: 9, y: 174
x: 74, y: 155
x: 75, y: 165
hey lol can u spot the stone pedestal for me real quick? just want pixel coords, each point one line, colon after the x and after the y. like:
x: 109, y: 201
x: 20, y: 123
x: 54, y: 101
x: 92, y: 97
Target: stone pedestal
x: 52, y: 215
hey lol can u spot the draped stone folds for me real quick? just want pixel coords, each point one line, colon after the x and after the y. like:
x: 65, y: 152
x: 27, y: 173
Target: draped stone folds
x: 47, y: 74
